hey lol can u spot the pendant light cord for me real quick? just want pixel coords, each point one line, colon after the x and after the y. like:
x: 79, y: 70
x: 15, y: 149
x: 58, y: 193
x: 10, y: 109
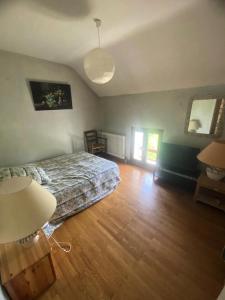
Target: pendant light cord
x: 99, y: 44
x: 98, y: 23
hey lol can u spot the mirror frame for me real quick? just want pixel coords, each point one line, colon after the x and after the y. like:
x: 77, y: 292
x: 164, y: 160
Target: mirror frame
x: 220, y: 122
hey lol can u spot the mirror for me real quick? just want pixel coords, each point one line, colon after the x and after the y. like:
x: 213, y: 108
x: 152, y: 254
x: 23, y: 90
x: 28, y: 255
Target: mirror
x: 205, y: 117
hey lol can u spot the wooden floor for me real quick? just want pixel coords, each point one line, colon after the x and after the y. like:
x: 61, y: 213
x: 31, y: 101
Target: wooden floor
x: 144, y: 241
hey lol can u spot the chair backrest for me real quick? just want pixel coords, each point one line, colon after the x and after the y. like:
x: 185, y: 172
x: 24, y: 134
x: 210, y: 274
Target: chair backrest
x: 91, y: 136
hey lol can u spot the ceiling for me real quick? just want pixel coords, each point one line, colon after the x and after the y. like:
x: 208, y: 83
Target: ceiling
x: 156, y: 44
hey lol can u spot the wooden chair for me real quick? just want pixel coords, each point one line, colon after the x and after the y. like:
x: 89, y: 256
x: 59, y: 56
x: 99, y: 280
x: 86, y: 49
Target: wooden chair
x: 94, y: 143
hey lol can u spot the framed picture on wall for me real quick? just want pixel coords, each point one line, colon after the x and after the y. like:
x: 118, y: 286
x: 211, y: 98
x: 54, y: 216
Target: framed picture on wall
x: 51, y: 96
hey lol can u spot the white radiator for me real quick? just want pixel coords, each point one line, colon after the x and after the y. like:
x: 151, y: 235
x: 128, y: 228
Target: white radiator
x: 115, y: 144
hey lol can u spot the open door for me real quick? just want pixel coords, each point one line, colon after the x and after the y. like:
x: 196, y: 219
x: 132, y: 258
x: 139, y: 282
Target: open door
x: 145, y: 146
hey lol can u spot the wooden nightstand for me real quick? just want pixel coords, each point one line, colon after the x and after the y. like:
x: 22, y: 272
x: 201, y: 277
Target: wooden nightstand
x: 27, y: 272
x: 210, y: 191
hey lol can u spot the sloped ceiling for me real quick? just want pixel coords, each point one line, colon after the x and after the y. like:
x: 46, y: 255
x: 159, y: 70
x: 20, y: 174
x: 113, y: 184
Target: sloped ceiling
x: 156, y: 44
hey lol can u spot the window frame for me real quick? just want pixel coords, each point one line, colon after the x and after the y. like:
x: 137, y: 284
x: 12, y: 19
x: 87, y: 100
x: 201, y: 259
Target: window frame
x: 143, y: 162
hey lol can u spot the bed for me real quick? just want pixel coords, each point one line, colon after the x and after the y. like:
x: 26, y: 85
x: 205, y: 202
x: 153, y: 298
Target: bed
x: 78, y: 180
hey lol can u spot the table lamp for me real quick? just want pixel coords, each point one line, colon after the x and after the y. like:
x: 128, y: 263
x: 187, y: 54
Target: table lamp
x: 25, y: 206
x: 194, y: 125
x: 214, y: 157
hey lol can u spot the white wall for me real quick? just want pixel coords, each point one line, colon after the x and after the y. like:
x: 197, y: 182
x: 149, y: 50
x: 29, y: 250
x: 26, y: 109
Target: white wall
x: 27, y: 135
x: 161, y: 110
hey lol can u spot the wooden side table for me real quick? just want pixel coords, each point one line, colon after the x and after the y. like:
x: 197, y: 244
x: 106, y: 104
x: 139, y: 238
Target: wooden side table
x: 27, y: 272
x: 210, y: 191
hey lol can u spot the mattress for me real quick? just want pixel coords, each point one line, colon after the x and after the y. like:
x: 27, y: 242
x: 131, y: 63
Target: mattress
x: 79, y: 180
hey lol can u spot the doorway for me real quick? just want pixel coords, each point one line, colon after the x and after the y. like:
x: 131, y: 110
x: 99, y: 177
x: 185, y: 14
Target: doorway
x: 145, y: 146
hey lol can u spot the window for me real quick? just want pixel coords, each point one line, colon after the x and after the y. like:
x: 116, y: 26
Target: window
x: 138, y: 144
x: 145, y: 145
x: 152, y: 147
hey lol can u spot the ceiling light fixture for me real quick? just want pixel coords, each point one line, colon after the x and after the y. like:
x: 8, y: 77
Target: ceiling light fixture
x: 98, y: 64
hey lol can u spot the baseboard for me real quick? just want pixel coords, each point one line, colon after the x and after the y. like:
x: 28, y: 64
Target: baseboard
x: 113, y: 158
x: 146, y: 167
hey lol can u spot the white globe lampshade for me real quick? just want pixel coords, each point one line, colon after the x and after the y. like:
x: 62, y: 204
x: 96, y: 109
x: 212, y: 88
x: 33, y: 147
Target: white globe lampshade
x: 99, y: 66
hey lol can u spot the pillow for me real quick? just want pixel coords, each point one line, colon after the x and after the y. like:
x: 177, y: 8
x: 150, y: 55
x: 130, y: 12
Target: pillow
x: 36, y: 173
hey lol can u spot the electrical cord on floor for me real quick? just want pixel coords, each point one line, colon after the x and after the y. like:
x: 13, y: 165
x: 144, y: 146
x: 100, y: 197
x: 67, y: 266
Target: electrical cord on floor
x: 64, y: 246
x: 48, y: 230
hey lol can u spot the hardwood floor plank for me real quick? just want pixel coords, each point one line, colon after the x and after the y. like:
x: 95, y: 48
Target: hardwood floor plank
x: 144, y: 241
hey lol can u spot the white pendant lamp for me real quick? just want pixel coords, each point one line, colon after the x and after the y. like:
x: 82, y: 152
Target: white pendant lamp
x: 98, y: 64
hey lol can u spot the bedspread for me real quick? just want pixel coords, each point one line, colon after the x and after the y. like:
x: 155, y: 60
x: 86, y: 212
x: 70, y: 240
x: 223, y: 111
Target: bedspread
x: 79, y: 180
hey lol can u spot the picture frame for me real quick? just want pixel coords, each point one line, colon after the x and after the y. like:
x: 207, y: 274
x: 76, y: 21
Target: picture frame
x: 50, y: 95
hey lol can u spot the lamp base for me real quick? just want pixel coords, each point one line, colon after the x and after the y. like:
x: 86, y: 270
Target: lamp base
x: 29, y: 240
x: 215, y: 173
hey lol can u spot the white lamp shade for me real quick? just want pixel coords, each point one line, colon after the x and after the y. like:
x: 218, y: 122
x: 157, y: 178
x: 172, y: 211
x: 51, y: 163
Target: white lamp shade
x: 214, y: 154
x: 194, y: 125
x: 99, y: 66
x: 25, y: 207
